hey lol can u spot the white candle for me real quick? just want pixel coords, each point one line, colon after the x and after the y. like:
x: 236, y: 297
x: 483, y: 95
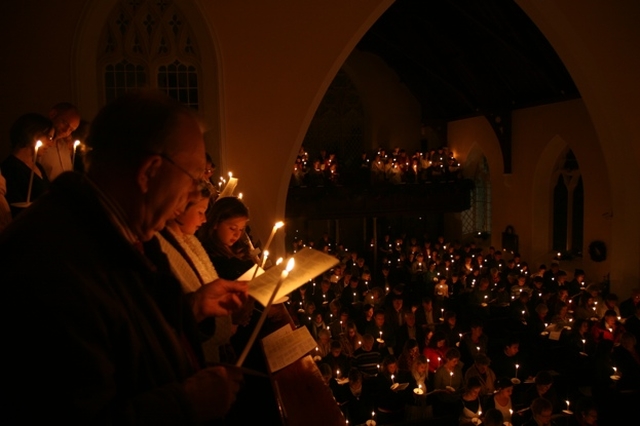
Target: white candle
x: 73, y: 157
x: 263, y: 317
x: 275, y: 228
x: 35, y: 157
x: 265, y: 255
x: 517, y: 370
x: 450, y: 378
x: 392, y: 376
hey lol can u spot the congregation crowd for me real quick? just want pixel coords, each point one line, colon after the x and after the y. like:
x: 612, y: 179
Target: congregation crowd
x: 441, y: 330
x: 393, y: 168
x: 142, y: 314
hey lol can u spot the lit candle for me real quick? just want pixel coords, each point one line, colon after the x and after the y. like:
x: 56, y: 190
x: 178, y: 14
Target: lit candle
x: 567, y: 401
x: 35, y: 155
x: 275, y: 228
x: 338, y: 373
x: 450, y: 378
x: 583, y: 344
x: 517, y: 370
x: 263, y: 317
x: 265, y: 255
x: 392, y: 376
x: 73, y: 157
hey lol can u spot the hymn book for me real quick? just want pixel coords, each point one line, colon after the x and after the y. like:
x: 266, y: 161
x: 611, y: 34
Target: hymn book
x: 309, y: 264
x: 285, y: 346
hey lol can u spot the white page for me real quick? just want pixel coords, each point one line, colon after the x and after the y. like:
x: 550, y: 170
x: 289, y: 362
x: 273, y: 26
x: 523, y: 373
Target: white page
x: 285, y: 346
x: 308, y: 264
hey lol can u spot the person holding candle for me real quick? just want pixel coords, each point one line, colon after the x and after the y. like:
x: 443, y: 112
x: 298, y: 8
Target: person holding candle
x: 351, y: 340
x: 436, y: 350
x: 192, y: 266
x: 483, y: 372
x: 493, y: 417
x: 474, y: 341
x: 223, y: 237
x: 419, y: 407
x: 627, y: 359
x: 470, y: 408
x: 501, y: 400
x: 367, y: 358
x: 26, y: 178
x: 449, y: 376
x: 541, y: 413
x: 382, y: 331
x: 450, y: 328
x: 543, y: 389
x: 116, y: 324
x: 608, y: 328
x: 338, y: 361
x: 408, y: 355
x: 390, y: 400
x: 504, y: 361
x: 356, y: 399
x: 65, y: 120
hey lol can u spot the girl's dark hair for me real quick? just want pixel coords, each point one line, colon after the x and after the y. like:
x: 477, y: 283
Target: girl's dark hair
x: 23, y: 131
x: 223, y: 209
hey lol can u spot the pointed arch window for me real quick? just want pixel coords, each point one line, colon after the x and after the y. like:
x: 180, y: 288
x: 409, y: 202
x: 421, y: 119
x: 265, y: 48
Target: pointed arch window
x: 149, y: 44
x: 568, y: 207
x: 338, y: 123
x: 478, y: 217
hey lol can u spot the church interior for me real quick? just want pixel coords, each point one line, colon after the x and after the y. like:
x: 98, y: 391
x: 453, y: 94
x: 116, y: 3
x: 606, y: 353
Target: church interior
x: 529, y: 95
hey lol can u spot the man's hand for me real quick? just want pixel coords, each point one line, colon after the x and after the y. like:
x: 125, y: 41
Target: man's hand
x: 219, y: 298
x: 212, y: 391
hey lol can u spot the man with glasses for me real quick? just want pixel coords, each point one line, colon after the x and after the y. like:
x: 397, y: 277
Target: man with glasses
x: 57, y: 159
x: 98, y: 328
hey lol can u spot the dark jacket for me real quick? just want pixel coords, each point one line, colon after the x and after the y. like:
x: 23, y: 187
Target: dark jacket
x: 97, y: 331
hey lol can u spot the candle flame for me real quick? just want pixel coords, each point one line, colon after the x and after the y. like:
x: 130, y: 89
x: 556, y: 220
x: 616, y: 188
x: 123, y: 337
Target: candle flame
x: 279, y: 225
x: 290, y: 264
x: 230, y: 175
x: 279, y: 261
x: 38, y: 145
x: 240, y: 196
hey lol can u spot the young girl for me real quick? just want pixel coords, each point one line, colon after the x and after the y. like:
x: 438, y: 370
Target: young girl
x: 225, y: 240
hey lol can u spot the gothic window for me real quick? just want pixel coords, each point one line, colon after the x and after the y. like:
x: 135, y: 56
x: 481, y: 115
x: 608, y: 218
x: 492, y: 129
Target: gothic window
x: 568, y: 207
x: 149, y: 44
x: 179, y: 81
x: 121, y: 77
x: 338, y: 123
x: 478, y: 217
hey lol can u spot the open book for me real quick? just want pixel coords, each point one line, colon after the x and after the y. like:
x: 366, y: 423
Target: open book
x: 285, y: 346
x: 308, y: 264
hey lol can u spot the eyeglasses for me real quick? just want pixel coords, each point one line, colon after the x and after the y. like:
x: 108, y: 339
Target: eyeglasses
x: 196, y: 181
